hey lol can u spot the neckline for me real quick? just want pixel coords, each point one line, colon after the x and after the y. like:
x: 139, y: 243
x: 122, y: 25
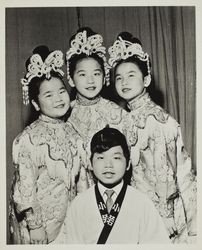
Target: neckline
x: 50, y: 120
x: 139, y: 101
x: 87, y: 102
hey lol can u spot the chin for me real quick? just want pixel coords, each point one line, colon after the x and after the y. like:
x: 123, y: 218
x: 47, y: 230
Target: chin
x: 110, y: 184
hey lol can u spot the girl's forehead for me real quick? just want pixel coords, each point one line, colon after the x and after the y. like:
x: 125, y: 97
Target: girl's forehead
x: 50, y: 85
x: 127, y: 65
x: 88, y: 62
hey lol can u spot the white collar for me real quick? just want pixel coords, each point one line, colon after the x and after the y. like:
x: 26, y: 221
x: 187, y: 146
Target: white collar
x: 116, y: 188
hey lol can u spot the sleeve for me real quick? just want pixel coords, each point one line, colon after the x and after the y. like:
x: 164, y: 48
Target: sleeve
x: 81, y: 161
x: 152, y: 230
x: 25, y: 186
x: 165, y: 164
x: 187, y: 184
x: 158, y: 165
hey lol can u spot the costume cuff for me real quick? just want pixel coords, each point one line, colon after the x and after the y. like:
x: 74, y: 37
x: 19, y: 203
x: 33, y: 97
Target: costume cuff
x: 34, y: 218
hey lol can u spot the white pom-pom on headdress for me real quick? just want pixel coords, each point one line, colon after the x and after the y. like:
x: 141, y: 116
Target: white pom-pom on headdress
x: 38, y: 68
x: 87, y: 45
x: 122, y: 49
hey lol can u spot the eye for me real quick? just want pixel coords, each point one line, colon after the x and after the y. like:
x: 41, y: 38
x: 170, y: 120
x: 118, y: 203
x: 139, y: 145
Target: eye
x: 47, y: 96
x: 82, y: 74
x: 97, y: 74
x: 62, y: 91
x: 131, y: 75
x: 117, y: 157
x: 118, y: 78
x: 100, y: 157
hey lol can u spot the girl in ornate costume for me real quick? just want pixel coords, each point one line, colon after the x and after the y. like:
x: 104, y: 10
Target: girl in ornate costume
x: 45, y: 155
x: 88, y: 71
x: 161, y: 166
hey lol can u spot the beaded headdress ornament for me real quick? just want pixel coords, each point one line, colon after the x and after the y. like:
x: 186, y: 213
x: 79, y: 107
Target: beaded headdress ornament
x: 87, y: 45
x: 38, y: 68
x: 123, y: 49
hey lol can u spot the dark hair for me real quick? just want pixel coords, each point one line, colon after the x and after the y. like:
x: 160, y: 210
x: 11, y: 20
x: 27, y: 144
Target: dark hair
x: 142, y: 65
x: 35, y: 82
x: 107, y: 138
x: 78, y: 57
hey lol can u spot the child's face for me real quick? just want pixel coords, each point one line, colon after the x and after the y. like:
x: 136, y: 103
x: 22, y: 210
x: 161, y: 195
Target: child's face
x: 53, y: 98
x: 88, y: 78
x: 109, y: 167
x: 129, y: 80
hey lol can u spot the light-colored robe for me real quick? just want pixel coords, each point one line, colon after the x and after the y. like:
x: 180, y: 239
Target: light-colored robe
x: 44, y: 156
x: 87, y: 118
x: 138, y: 221
x: 161, y: 166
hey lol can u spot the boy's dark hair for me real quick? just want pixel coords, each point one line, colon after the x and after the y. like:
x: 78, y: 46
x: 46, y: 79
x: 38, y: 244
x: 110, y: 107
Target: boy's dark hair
x: 107, y: 138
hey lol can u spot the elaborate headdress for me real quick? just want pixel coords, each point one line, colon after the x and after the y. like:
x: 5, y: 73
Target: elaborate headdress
x: 123, y: 49
x: 38, y: 68
x: 87, y: 45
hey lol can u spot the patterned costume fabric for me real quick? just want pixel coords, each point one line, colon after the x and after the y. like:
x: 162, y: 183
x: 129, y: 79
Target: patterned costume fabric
x: 46, y: 161
x: 161, y: 166
x: 87, y: 118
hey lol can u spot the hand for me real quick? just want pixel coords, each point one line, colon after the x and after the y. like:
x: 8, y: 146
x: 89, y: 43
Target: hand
x: 171, y: 227
x: 38, y: 236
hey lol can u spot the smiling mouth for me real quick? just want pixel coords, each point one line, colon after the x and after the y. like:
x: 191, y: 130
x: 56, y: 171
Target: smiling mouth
x: 125, y: 90
x: 91, y: 88
x: 108, y: 174
x: 60, y: 106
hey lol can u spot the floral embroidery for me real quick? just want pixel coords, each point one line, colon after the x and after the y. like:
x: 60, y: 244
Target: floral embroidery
x: 161, y: 166
x: 43, y: 156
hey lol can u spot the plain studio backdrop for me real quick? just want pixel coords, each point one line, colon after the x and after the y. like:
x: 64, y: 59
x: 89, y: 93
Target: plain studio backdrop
x: 167, y: 35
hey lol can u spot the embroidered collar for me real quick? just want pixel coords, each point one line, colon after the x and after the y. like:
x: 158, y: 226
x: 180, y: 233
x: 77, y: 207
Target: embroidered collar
x: 139, y: 101
x: 142, y: 107
x: 87, y: 102
x: 50, y: 120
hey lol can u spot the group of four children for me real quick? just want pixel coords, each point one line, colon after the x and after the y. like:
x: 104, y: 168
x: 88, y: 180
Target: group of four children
x: 57, y: 158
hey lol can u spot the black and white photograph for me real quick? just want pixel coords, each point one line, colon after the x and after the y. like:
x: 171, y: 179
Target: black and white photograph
x: 99, y: 120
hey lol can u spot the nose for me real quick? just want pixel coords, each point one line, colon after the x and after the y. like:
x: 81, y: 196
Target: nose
x: 124, y: 81
x: 58, y: 97
x: 90, y: 79
x: 108, y: 163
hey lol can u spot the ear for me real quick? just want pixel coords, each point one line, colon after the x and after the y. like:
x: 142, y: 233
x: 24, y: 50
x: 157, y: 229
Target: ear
x: 129, y: 164
x: 104, y: 81
x: 147, y: 80
x: 71, y: 82
x: 36, y: 106
x: 90, y: 166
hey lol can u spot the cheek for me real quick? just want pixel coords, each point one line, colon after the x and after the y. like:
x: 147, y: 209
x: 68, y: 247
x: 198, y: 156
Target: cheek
x: 117, y: 85
x: 66, y: 98
x: 46, y: 105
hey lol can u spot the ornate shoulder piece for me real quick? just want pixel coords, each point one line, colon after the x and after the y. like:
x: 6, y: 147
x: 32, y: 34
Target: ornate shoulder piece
x: 38, y: 68
x: 87, y: 45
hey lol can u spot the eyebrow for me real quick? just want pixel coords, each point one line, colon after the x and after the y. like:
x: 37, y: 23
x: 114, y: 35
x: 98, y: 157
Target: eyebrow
x: 118, y: 153
x: 49, y: 91
x: 131, y: 71
x: 83, y: 70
